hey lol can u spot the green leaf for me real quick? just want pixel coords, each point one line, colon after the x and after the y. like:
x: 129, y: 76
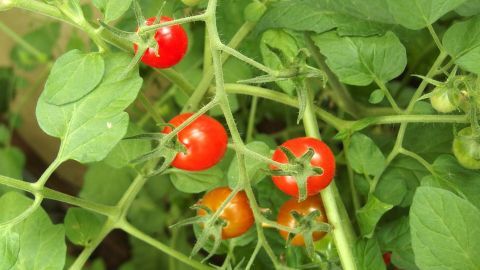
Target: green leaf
x: 395, y: 237
x: 445, y: 232
x: 361, y: 60
x: 376, y: 96
x: 90, y: 127
x: 12, y: 162
x: 100, y: 4
x: 73, y: 75
x: 81, y: 226
x: 254, y: 167
x: 42, y: 244
x: 9, y: 248
x: 369, y: 215
x: 114, y: 9
x: 364, y: 155
x: 127, y: 150
x: 369, y: 255
x: 350, y: 18
x: 104, y: 184
x: 196, y: 182
x: 435, y: 139
x: 462, y: 42
x: 469, y: 8
x: 273, y: 43
x: 44, y: 39
x: 399, y: 181
x: 452, y: 176
x: 417, y: 14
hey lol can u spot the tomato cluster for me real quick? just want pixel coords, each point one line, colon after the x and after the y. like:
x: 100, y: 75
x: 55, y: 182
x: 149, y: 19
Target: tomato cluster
x: 205, y: 142
x: 322, y: 158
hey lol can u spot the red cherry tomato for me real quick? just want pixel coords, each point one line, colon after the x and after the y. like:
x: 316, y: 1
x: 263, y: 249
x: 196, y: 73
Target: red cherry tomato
x: 172, y: 45
x: 237, y: 213
x: 387, y: 258
x: 323, y: 158
x: 304, y: 208
x: 205, y: 140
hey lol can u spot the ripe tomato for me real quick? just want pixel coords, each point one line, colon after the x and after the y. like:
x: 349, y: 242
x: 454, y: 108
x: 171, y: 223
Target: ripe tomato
x: 205, y: 140
x: 304, y: 208
x: 466, y: 149
x: 237, y: 213
x: 323, y: 158
x: 172, y: 45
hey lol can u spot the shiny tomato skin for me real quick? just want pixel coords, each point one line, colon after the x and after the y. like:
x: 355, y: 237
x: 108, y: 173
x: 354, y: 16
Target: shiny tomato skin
x: 205, y: 140
x: 172, y: 45
x: 304, y: 208
x: 237, y: 213
x: 323, y: 158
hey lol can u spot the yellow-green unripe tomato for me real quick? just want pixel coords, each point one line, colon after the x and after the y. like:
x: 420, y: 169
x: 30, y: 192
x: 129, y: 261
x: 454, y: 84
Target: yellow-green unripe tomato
x: 441, y: 101
x: 466, y: 149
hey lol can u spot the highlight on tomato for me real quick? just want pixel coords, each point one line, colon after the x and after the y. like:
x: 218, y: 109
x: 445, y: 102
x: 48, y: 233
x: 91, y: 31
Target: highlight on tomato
x: 172, y: 44
x: 237, y: 213
x: 322, y: 158
x: 304, y: 208
x: 205, y: 140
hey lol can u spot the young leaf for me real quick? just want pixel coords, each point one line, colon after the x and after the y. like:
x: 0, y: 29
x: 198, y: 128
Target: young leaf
x: 81, y: 226
x: 74, y: 75
x: 364, y: 155
x: 369, y: 255
x: 273, y: 43
x: 444, y: 230
x: 369, y: 215
x: 417, y: 14
x: 361, y: 60
x: 462, y: 42
x: 376, y: 96
x: 90, y: 127
x: 42, y: 244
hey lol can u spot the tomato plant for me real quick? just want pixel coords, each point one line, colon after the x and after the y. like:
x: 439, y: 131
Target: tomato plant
x: 268, y: 102
x: 171, y: 45
x: 205, y: 140
x: 237, y: 213
x: 285, y: 217
x: 322, y: 158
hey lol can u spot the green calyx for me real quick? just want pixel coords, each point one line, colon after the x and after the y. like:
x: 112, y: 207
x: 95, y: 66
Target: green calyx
x: 302, y: 170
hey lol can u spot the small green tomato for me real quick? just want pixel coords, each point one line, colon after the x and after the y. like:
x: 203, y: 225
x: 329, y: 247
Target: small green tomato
x: 466, y: 148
